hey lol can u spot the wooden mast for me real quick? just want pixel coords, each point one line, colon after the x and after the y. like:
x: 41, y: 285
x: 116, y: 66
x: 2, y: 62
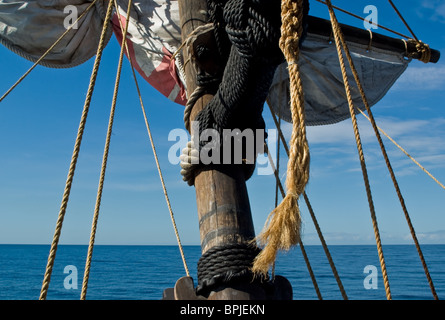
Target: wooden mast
x: 222, y: 200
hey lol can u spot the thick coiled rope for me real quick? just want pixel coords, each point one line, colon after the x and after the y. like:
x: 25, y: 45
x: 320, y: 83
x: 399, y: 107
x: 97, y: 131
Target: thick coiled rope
x: 222, y: 265
x: 252, y: 27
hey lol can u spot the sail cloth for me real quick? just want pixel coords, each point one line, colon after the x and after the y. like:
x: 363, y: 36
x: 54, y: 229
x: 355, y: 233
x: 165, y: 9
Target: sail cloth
x: 30, y: 27
x: 153, y: 36
x: 325, y: 97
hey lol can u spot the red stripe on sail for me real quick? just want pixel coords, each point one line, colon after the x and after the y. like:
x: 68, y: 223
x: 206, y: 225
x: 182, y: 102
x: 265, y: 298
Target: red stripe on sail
x: 164, y: 77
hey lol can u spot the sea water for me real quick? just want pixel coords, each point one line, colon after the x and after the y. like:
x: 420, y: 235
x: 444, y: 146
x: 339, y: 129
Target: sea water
x: 143, y: 272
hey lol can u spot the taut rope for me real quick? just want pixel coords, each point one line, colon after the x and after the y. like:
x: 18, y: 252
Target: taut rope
x: 66, y: 194
x: 104, y: 164
x: 339, y: 41
x: 155, y: 154
x: 311, y: 211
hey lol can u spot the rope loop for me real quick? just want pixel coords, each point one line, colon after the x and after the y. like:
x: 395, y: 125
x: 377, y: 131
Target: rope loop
x: 252, y: 29
x: 222, y: 265
x: 424, y: 51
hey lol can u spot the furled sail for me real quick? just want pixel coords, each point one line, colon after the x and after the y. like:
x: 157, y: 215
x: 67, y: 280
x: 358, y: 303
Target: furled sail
x: 154, y: 35
x: 30, y: 27
x: 325, y: 97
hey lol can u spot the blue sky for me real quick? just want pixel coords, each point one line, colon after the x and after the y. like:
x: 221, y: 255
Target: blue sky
x: 39, y: 121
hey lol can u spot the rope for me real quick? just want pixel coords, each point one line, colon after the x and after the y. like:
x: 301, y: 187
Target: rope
x: 366, y: 20
x: 403, y: 20
x: 340, y: 41
x: 422, y: 48
x: 303, y: 250
x: 405, y: 152
x: 164, y: 188
x: 66, y: 194
x: 388, y: 164
x: 104, y: 166
x: 226, y: 264
x: 311, y: 211
x: 47, y: 52
x: 246, y: 33
x: 282, y: 228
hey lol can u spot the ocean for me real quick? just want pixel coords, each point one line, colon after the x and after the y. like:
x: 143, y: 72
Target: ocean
x: 143, y: 272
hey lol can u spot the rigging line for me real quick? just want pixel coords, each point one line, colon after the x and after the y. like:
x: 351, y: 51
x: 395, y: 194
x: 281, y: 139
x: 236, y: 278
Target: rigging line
x: 388, y: 164
x: 164, y: 188
x: 75, y: 156
x: 422, y: 48
x: 404, y: 151
x: 47, y: 52
x: 402, y: 201
x: 103, y: 168
x: 366, y: 20
x: 381, y: 130
x: 280, y: 98
x: 385, y: 155
x: 403, y: 20
x: 311, y: 211
x: 339, y: 42
x: 303, y: 250
x: 278, y: 165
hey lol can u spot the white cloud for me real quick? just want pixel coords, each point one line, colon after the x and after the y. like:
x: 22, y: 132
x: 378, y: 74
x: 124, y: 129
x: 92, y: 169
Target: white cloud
x: 432, y: 237
x: 421, y: 78
x: 335, y: 145
x: 438, y: 8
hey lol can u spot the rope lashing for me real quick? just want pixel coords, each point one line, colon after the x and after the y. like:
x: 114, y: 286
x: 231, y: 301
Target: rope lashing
x: 252, y: 27
x: 282, y: 230
x: 423, y: 49
x: 226, y: 264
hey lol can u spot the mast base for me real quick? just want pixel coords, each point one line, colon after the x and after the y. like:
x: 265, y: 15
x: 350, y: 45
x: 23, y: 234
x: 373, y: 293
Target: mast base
x: 185, y: 290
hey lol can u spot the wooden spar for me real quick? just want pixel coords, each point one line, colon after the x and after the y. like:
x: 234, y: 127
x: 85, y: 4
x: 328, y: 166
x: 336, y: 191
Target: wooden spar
x: 323, y: 27
x: 222, y: 200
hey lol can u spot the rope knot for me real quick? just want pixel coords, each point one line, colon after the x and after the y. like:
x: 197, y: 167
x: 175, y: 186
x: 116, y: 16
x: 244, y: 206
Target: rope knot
x: 253, y: 26
x: 424, y: 50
